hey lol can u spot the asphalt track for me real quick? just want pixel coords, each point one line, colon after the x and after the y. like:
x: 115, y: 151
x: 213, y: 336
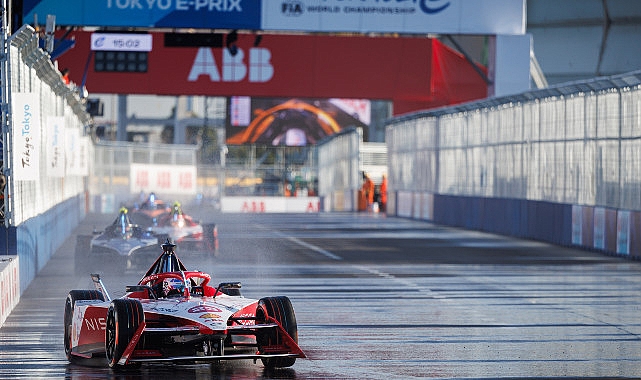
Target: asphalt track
x: 377, y: 298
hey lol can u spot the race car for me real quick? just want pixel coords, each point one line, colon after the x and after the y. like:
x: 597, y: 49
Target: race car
x: 184, y: 230
x: 124, y: 237
x: 175, y: 315
x: 144, y: 213
x: 121, y: 239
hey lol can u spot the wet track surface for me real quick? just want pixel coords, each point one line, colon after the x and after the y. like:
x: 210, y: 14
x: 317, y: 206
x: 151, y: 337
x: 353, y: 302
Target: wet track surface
x: 377, y: 298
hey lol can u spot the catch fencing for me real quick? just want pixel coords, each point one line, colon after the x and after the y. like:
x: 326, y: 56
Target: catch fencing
x: 562, y: 164
x: 342, y: 159
x: 45, y: 158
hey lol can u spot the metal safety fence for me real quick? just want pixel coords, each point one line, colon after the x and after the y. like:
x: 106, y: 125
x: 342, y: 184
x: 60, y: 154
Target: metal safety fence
x: 45, y: 153
x: 122, y: 171
x: 343, y: 158
x: 576, y: 145
x: 45, y: 156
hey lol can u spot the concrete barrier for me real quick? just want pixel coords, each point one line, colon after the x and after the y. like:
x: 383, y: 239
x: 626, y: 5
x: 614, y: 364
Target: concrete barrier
x: 9, y: 286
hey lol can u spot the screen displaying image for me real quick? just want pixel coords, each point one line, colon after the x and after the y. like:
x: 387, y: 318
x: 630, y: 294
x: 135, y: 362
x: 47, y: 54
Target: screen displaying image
x: 293, y: 121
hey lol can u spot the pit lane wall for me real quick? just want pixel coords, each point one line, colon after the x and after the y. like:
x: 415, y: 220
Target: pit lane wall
x: 561, y: 165
x: 45, y: 162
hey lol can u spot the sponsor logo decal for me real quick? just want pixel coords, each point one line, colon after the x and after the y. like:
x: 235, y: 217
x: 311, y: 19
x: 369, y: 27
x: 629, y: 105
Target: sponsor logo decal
x: 26, y: 131
x: 178, y: 5
x: 95, y: 324
x: 258, y: 68
x: 203, y: 309
x: 294, y: 8
x: 209, y: 316
x: 291, y: 8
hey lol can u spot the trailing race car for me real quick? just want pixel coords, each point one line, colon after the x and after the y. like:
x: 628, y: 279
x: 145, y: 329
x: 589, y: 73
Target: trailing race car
x: 122, y: 240
x: 184, y: 230
x: 174, y: 315
x: 144, y: 213
x: 124, y: 237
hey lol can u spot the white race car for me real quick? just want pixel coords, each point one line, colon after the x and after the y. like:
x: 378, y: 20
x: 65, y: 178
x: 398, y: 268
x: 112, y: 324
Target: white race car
x: 174, y: 315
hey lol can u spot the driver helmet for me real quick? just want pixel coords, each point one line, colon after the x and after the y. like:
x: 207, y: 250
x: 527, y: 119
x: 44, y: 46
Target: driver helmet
x: 173, y: 286
x: 123, y: 221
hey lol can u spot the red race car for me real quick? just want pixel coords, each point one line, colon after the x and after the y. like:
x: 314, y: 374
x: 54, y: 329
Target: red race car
x: 174, y: 315
x: 186, y: 231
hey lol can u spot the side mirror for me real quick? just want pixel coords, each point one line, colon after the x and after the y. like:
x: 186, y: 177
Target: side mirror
x: 229, y: 288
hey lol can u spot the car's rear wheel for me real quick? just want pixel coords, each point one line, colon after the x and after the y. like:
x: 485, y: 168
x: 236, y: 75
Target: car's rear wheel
x: 281, y: 309
x: 123, y: 318
x: 70, y: 304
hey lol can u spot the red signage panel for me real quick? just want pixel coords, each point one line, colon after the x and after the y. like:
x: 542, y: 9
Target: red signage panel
x: 388, y: 68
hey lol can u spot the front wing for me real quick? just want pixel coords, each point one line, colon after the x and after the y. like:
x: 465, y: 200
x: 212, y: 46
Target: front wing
x: 89, y: 340
x: 289, y: 348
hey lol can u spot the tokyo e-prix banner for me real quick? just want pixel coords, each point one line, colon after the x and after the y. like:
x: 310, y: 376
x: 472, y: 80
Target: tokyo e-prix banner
x: 219, y: 14
x: 26, y: 134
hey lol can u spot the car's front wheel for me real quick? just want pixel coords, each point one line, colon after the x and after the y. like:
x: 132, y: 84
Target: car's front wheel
x: 123, y: 318
x: 70, y: 304
x: 281, y: 309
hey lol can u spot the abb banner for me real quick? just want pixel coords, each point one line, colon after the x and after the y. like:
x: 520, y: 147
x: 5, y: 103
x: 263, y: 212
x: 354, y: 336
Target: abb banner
x: 415, y: 73
x: 270, y: 204
x: 165, y: 179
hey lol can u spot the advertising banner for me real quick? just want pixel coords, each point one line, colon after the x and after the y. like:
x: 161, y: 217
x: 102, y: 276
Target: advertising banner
x: 165, y: 179
x: 261, y: 205
x: 26, y: 136
x: 55, y: 149
x: 414, y: 73
x: 396, y: 16
x: 209, y: 14
x: 83, y: 168
x: 73, y: 152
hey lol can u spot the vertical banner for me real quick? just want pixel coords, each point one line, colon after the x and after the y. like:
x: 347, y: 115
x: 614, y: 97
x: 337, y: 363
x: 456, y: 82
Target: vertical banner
x: 73, y: 151
x: 623, y: 232
x: 599, y: 227
x: 55, y: 147
x: 26, y: 136
x: 577, y: 225
x: 83, y: 154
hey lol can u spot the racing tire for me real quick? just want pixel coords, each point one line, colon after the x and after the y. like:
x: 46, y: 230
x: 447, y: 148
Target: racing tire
x: 281, y: 309
x: 70, y: 304
x: 123, y: 318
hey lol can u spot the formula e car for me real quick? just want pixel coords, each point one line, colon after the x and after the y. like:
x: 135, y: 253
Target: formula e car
x: 184, y: 230
x: 122, y: 238
x: 174, y: 315
x: 144, y: 213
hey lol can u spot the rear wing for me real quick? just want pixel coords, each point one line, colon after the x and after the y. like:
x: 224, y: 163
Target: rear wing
x: 97, y: 282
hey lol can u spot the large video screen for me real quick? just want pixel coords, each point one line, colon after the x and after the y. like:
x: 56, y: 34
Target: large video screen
x: 293, y: 121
